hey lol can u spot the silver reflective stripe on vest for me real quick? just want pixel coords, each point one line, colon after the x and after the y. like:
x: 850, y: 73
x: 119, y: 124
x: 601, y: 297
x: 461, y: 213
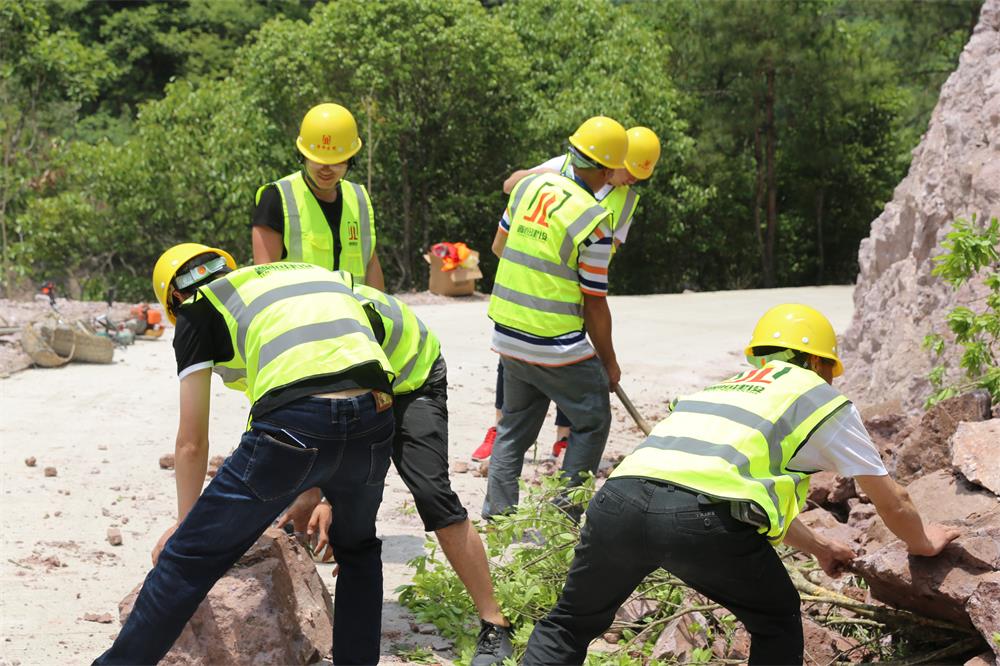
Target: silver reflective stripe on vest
x: 229, y: 375
x: 774, y: 433
x: 628, y: 207
x: 728, y: 453
x: 536, y: 303
x: 324, y: 330
x: 365, y: 222
x: 395, y: 315
x: 519, y: 194
x: 578, y: 225
x: 244, y: 314
x: 294, y: 221
x: 407, y: 369
x: 538, y: 264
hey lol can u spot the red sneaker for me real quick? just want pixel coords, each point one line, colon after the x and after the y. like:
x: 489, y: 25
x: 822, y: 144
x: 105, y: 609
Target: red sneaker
x: 486, y: 448
x: 559, y: 446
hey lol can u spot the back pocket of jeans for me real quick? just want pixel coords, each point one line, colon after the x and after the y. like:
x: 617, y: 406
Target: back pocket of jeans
x: 699, y: 522
x: 276, y: 469
x: 381, y: 457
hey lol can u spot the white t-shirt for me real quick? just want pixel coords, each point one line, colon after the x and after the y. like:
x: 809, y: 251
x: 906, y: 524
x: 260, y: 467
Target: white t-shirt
x: 555, y: 164
x: 842, y: 445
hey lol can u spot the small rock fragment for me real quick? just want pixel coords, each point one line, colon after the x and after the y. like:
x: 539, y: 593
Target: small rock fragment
x: 167, y: 461
x: 51, y: 471
x: 214, y: 463
x: 460, y: 467
x: 30, y: 461
x: 102, y: 618
x: 114, y: 536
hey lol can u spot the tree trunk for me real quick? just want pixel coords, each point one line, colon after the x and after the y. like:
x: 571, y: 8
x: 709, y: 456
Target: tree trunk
x: 407, y: 262
x: 758, y: 197
x: 820, y: 256
x: 772, y: 186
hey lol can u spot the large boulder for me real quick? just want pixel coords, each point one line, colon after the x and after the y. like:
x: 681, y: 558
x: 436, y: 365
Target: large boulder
x: 927, y: 448
x: 939, y: 497
x: 975, y: 452
x: 270, y: 608
x: 824, y: 646
x: 681, y: 637
x: 941, y: 586
x: 825, y: 523
x: 955, y: 172
x: 983, y: 608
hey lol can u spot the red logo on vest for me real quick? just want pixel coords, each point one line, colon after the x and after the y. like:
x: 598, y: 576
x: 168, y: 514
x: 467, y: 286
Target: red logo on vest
x: 541, y: 212
x: 756, y: 376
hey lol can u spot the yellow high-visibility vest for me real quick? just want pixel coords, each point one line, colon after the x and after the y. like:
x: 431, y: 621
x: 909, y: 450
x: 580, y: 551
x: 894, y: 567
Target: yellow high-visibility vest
x: 307, y: 235
x: 734, y: 440
x: 537, y: 286
x: 411, y: 347
x: 289, y: 322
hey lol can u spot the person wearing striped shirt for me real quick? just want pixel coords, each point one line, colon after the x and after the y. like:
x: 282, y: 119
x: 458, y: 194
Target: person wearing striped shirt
x: 552, y: 325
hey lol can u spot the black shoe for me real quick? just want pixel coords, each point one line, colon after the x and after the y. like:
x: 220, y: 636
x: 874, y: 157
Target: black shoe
x: 493, y: 644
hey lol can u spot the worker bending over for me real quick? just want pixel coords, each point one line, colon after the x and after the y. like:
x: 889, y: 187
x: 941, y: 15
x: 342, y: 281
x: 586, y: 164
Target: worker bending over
x: 719, y: 481
x: 420, y: 453
x: 315, y: 215
x: 548, y: 297
x: 296, y: 340
x: 621, y: 201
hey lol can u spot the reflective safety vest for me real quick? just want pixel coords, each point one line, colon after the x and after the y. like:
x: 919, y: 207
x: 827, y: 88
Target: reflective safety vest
x: 307, y: 235
x: 537, y: 287
x: 410, y: 346
x: 734, y: 440
x: 290, y: 322
x: 620, y: 201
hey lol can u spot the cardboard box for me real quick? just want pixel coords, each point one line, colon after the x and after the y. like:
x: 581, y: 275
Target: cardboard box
x: 459, y: 282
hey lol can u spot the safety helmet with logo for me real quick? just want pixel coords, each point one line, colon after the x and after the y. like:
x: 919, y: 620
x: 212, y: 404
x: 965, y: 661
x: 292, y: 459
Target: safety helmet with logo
x: 796, y: 327
x: 643, y: 152
x: 172, y: 271
x: 328, y: 134
x: 603, y: 140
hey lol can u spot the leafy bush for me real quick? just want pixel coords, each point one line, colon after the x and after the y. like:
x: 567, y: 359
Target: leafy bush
x: 969, y: 250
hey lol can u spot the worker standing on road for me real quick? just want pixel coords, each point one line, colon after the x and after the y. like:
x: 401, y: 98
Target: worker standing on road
x: 549, y: 295
x: 315, y: 215
x: 420, y: 453
x: 295, y: 338
x: 717, y: 482
x: 621, y: 201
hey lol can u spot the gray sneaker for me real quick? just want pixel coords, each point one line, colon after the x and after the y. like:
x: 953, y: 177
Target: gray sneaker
x: 493, y: 644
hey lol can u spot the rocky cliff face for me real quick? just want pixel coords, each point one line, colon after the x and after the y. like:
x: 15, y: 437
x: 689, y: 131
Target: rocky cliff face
x: 955, y: 172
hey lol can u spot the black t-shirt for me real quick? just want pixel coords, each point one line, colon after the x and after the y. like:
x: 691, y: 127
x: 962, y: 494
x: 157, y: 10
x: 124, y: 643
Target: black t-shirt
x: 202, y: 339
x: 270, y: 214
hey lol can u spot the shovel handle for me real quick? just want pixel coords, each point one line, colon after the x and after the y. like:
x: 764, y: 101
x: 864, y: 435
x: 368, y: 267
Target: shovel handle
x: 632, y: 411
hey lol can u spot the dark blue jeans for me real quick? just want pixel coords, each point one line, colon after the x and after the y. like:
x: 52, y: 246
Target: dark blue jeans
x: 342, y: 446
x: 635, y: 526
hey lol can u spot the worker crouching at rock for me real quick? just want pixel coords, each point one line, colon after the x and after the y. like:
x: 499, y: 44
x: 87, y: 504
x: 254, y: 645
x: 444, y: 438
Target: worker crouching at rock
x: 420, y: 454
x: 297, y: 341
x: 721, y: 479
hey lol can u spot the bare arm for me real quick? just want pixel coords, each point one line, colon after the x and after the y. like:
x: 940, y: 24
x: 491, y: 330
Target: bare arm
x: 267, y: 245
x: 373, y: 273
x: 597, y: 319
x: 832, y: 555
x: 519, y: 175
x: 896, y: 509
x: 191, y: 449
x: 499, y: 242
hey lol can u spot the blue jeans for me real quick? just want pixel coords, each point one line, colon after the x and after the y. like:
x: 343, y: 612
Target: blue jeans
x: 343, y: 446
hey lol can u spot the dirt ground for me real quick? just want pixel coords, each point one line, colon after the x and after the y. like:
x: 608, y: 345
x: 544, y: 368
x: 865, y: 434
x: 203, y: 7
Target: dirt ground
x: 104, y: 427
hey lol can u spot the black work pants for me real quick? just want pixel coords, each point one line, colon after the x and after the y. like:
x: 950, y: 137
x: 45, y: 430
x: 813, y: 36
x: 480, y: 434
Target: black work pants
x: 635, y: 526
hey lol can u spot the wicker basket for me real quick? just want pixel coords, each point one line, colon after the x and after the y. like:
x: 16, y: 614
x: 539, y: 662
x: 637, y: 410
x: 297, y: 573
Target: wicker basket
x: 40, y: 351
x: 87, y: 347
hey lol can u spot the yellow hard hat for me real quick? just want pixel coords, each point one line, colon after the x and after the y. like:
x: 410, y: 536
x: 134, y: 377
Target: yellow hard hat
x: 165, y: 270
x: 643, y: 152
x: 603, y: 140
x: 798, y: 327
x: 329, y: 134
